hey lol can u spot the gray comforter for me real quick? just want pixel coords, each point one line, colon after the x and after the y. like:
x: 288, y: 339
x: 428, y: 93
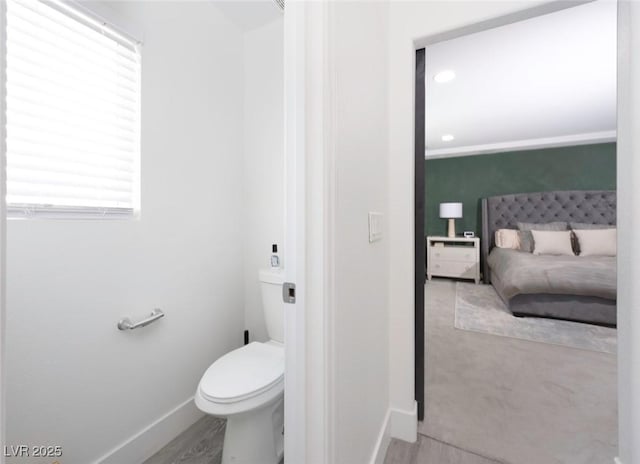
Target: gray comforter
x: 526, y: 273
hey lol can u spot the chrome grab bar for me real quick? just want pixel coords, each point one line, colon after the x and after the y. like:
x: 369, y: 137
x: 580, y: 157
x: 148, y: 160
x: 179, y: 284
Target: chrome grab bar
x: 127, y: 324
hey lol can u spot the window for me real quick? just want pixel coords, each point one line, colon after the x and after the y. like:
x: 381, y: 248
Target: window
x: 73, y: 114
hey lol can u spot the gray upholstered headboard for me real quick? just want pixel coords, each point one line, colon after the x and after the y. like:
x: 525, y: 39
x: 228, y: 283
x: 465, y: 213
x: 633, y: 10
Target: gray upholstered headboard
x: 505, y: 211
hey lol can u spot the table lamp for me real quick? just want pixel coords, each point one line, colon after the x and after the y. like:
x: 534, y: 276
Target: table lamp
x: 451, y: 211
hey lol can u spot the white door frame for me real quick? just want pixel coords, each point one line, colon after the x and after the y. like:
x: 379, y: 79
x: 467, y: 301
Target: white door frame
x: 309, y: 235
x: 628, y: 190
x: 3, y: 221
x: 294, y: 250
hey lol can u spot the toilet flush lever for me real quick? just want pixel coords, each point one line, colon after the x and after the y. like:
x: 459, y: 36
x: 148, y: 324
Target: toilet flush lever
x: 289, y: 292
x: 127, y: 324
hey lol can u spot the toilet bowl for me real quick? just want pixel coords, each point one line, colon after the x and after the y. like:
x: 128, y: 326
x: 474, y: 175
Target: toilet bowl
x: 246, y: 386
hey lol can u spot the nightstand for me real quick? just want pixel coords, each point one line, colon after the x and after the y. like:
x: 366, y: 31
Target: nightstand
x: 457, y: 257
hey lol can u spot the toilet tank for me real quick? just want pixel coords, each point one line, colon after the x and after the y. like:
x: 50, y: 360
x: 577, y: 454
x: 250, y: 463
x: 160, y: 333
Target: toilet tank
x: 272, y: 305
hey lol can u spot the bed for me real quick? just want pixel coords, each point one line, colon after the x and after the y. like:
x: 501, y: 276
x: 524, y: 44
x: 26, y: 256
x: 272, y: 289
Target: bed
x: 562, y: 287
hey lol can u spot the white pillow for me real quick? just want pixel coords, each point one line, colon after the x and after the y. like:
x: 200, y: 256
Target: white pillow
x: 597, y: 242
x: 508, y: 238
x: 552, y: 242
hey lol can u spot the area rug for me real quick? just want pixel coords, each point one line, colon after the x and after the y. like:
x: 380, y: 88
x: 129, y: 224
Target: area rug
x: 480, y: 309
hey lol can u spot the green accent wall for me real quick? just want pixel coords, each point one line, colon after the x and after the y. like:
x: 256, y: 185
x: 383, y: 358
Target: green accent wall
x: 467, y: 179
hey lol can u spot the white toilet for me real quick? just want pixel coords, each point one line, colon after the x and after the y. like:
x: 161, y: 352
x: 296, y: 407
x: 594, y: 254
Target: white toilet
x: 246, y: 386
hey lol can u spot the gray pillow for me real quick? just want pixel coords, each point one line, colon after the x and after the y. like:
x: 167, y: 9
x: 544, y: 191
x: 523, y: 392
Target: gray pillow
x: 584, y: 226
x: 526, y: 238
x: 587, y: 226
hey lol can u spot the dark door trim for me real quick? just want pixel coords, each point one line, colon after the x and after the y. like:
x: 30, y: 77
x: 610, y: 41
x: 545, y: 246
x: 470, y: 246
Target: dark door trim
x: 419, y: 229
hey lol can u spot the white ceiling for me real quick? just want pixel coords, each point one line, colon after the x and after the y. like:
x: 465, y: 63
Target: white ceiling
x: 546, y: 81
x: 250, y: 14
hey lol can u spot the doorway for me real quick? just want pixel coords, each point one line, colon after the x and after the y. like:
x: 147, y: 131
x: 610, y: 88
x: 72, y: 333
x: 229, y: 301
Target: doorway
x: 443, y: 173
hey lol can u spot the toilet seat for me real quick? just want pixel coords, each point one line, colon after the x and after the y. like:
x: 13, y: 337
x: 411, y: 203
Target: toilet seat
x: 243, y: 373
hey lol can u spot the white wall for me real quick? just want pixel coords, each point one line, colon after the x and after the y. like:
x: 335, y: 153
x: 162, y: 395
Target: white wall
x: 263, y: 183
x: 411, y: 21
x: 358, y: 60
x: 369, y: 110
x: 74, y: 379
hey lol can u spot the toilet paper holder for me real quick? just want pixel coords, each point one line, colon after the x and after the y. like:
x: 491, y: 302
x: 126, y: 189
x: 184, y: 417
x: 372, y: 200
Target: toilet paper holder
x: 127, y: 324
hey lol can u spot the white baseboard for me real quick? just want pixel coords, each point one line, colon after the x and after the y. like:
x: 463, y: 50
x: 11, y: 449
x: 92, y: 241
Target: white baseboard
x: 404, y: 424
x: 156, y: 435
x: 382, y: 443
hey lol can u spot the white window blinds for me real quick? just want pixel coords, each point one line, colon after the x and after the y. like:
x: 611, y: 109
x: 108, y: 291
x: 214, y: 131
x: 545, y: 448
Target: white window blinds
x: 73, y: 113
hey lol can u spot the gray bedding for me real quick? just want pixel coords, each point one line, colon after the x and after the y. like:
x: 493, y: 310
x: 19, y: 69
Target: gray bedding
x: 524, y: 273
x: 572, y: 288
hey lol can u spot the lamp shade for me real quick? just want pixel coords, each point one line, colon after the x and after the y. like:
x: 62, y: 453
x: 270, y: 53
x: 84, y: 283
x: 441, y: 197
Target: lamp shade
x: 450, y: 210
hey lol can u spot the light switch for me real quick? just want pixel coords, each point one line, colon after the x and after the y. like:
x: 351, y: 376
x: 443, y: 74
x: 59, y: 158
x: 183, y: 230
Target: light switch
x: 375, y: 227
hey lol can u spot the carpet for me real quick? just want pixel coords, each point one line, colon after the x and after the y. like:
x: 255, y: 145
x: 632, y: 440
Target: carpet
x: 514, y: 400
x: 480, y: 309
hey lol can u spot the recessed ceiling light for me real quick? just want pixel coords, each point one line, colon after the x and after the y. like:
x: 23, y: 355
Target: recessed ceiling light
x: 447, y: 138
x: 444, y: 76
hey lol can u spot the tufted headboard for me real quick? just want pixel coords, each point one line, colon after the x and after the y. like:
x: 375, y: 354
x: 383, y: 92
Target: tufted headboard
x: 505, y: 211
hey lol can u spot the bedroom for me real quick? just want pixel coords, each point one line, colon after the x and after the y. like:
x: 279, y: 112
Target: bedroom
x: 520, y: 239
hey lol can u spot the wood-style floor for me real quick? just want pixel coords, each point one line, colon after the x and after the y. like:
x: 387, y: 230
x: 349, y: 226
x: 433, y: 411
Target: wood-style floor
x: 429, y: 451
x: 199, y: 444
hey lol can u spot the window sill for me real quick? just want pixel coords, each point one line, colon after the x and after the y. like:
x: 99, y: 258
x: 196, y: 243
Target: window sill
x: 18, y: 212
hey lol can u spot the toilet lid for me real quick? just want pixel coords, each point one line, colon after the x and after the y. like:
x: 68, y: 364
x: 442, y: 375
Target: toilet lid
x: 243, y: 373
